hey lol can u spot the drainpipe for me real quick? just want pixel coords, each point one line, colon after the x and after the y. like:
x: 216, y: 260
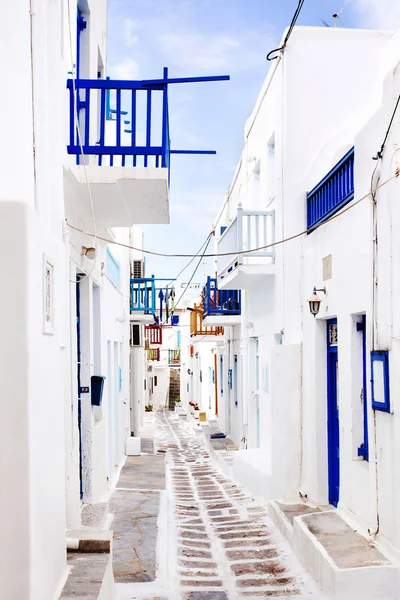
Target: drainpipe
x: 374, y: 529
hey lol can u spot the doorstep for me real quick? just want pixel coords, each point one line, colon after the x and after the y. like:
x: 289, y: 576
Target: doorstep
x: 346, y: 565
x: 284, y: 513
x: 222, y: 449
x: 90, y: 566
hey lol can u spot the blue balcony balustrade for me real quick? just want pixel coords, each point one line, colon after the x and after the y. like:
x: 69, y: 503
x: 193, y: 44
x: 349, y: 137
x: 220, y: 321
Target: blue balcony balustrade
x: 139, y: 109
x: 143, y: 295
x: 332, y: 193
x: 220, y: 302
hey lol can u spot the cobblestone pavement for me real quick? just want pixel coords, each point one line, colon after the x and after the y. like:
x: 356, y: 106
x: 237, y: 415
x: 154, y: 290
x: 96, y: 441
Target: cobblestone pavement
x: 222, y: 546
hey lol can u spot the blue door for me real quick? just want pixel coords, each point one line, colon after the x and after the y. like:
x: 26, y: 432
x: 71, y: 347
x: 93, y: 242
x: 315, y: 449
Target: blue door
x: 78, y: 355
x: 333, y: 413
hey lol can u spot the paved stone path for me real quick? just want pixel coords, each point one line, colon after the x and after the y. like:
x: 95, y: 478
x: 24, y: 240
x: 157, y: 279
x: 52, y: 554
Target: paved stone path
x: 222, y: 546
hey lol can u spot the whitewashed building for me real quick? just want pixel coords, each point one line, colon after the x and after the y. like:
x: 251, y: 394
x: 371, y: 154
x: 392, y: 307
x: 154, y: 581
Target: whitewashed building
x: 73, y: 175
x: 295, y: 391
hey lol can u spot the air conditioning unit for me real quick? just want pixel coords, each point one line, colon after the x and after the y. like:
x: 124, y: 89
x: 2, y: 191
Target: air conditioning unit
x: 135, y: 335
x: 137, y: 268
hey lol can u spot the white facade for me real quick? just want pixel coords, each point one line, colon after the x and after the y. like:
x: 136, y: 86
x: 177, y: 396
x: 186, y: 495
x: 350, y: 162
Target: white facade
x: 45, y: 482
x: 318, y: 101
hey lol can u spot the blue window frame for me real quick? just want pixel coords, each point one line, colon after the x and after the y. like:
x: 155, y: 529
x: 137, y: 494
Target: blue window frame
x: 221, y: 374
x: 380, y: 382
x: 230, y: 379
x: 333, y: 191
x: 112, y: 268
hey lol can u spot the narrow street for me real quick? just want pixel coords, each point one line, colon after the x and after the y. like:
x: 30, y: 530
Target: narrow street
x: 220, y: 543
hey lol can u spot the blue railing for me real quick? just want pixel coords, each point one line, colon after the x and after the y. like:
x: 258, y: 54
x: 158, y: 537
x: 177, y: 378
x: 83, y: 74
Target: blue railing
x: 334, y: 191
x: 220, y: 302
x: 140, y: 116
x: 143, y: 295
x: 112, y: 268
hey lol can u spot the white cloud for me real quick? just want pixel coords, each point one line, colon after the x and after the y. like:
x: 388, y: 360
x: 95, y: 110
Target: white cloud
x: 128, y: 68
x: 128, y: 31
x: 199, y: 51
x: 377, y: 14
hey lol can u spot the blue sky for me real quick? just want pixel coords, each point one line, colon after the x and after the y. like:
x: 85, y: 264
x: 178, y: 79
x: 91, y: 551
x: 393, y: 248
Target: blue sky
x: 211, y: 37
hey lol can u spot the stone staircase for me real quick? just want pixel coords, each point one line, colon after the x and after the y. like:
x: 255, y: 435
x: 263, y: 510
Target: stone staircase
x: 174, y: 387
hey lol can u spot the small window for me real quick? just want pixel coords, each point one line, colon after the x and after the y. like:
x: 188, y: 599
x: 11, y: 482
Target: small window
x: 155, y: 381
x: 380, y: 380
x: 135, y: 335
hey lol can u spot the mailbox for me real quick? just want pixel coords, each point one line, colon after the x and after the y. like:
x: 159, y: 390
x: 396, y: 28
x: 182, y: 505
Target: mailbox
x: 97, y: 389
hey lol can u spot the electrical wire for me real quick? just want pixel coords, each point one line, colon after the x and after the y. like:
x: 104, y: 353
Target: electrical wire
x: 379, y: 154
x: 191, y: 260
x: 258, y: 249
x: 285, y: 41
x: 195, y: 271
x: 73, y: 75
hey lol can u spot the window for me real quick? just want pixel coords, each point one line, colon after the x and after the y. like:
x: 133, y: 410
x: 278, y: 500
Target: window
x: 112, y: 268
x: 334, y: 191
x: 380, y: 380
x: 135, y: 335
x: 155, y: 380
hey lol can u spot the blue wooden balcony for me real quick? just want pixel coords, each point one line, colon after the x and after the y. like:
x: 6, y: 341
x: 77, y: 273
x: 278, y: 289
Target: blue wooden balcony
x: 332, y: 193
x: 139, y: 111
x: 220, y: 302
x: 143, y: 295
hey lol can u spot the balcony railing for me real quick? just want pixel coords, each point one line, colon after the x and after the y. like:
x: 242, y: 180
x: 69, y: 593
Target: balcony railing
x: 249, y: 230
x: 220, y: 302
x: 174, y: 357
x: 141, y: 133
x: 334, y: 191
x: 197, y: 328
x: 153, y: 333
x: 143, y: 295
x: 153, y: 354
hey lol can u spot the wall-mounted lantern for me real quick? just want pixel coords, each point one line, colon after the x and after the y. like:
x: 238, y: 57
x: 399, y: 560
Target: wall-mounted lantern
x: 315, y: 301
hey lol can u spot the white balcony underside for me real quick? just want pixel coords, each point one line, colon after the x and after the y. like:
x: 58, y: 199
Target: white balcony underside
x: 122, y: 196
x: 141, y: 318
x: 244, y: 277
x: 221, y: 320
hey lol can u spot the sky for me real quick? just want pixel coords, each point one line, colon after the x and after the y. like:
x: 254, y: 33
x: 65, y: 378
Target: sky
x: 211, y: 37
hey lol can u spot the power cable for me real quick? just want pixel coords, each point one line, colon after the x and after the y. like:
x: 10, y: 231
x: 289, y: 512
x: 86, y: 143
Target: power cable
x: 278, y: 243
x: 195, y: 271
x: 191, y: 260
x: 379, y: 154
x: 285, y: 41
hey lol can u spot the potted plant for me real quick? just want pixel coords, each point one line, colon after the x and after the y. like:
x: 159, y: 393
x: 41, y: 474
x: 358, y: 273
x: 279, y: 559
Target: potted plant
x: 148, y: 408
x: 191, y: 407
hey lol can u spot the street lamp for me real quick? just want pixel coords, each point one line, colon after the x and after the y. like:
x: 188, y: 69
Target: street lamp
x: 315, y: 301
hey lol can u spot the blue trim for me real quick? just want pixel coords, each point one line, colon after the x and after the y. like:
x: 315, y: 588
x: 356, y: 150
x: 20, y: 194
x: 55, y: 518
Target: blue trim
x: 178, y: 338
x: 78, y: 359
x: 161, y: 149
x: 120, y: 379
x: 235, y: 379
x: 112, y: 268
x: 220, y: 302
x: 363, y: 450
x: 332, y: 193
x: 381, y: 356
x: 230, y: 379
x: 221, y: 374
x: 80, y: 26
x: 333, y: 421
x: 143, y: 295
